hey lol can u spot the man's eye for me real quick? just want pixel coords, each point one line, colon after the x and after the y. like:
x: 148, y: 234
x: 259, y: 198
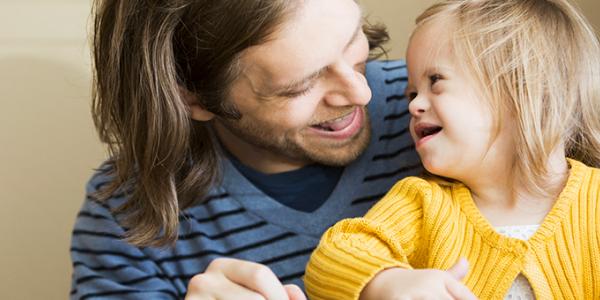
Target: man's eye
x: 295, y: 94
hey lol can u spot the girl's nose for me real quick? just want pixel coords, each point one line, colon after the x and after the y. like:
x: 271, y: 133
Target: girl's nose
x: 418, y: 106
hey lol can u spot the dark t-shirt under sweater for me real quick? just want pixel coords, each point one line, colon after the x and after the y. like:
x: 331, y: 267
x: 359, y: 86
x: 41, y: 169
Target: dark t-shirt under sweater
x: 305, y: 189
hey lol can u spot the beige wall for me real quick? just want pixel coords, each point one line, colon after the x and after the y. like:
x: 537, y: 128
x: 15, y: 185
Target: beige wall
x: 48, y: 147
x: 47, y: 143
x: 399, y: 16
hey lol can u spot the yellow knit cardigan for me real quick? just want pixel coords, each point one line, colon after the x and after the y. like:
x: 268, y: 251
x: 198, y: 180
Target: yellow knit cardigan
x: 420, y: 224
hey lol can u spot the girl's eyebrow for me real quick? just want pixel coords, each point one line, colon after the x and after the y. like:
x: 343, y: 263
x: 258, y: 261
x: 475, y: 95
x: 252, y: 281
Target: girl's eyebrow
x: 438, y: 68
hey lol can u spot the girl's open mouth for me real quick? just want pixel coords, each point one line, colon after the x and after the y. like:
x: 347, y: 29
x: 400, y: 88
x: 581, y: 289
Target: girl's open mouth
x: 425, y: 132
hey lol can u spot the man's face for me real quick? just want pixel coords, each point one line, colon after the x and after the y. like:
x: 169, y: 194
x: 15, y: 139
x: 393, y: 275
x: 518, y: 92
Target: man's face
x: 303, y: 93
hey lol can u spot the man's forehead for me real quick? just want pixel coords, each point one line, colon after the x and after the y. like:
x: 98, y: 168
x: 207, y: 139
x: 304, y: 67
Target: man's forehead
x: 300, y: 49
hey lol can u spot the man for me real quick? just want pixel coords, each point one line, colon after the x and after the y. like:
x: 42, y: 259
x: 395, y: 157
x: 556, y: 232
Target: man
x: 239, y: 131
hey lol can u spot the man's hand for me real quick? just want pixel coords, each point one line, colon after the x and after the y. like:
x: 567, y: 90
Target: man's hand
x: 397, y: 283
x: 228, y: 279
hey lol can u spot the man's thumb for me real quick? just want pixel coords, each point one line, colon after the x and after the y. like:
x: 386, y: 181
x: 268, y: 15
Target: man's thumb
x: 460, y: 269
x: 294, y: 292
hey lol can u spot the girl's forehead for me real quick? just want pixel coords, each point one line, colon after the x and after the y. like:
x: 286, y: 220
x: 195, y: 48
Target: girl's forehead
x: 436, y: 31
x: 430, y: 45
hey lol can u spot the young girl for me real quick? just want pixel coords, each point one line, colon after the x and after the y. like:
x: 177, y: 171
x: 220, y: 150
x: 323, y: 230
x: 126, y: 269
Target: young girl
x: 505, y: 104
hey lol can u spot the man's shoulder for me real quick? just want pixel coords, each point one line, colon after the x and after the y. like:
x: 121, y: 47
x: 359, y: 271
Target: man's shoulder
x: 386, y: 66
x: 389, y: 74
x: 387, y: 80
x: 388, y: 107
x: 103, y: 177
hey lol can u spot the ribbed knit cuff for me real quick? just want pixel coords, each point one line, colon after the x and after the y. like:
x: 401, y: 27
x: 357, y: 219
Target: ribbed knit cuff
x: 339, y: 271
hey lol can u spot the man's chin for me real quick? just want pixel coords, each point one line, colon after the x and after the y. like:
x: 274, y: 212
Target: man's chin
x: 341, y: 155
x: 334, y: 160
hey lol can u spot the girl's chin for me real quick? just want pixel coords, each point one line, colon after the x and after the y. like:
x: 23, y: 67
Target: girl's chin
x: 435, y: 168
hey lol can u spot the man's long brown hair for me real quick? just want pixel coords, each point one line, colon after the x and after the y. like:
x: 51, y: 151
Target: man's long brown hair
x: 145, y: 52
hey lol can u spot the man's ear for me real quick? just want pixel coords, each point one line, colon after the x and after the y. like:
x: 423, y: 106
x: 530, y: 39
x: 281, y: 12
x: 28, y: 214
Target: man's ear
x: 197, y: 112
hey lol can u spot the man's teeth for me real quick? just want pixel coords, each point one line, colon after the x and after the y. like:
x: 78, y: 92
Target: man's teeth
x: 335, y: 124
x: 338, y: 119
x: 325, y: 124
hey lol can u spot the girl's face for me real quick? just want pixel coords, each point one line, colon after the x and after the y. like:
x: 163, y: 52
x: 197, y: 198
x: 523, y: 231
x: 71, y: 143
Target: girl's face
x: 452, y: 125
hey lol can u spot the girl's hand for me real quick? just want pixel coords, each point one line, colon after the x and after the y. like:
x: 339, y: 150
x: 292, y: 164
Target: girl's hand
x: 397, y: 283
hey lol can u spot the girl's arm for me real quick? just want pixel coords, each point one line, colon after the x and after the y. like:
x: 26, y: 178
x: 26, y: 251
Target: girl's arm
x: 352, y: 252
x: 373, y: 257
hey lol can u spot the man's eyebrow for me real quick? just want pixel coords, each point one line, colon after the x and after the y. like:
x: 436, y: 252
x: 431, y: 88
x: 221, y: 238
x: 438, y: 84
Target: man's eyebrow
x: 298, y: 84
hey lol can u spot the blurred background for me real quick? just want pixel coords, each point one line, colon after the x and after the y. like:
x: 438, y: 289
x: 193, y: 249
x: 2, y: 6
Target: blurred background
x: 48, y: 147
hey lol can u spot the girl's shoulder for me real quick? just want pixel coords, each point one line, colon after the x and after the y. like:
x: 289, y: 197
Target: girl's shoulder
x: 424, y: 187
x: 583, y: 174
x: 430, y: 182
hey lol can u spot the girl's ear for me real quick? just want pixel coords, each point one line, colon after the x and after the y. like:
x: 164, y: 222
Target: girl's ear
x: 197, y: 112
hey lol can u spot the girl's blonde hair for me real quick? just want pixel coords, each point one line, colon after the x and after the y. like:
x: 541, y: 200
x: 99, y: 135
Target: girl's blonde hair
x: 538, y: 60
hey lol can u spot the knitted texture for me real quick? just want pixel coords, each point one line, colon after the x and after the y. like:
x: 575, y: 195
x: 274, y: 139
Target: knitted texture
x: 421, y: 224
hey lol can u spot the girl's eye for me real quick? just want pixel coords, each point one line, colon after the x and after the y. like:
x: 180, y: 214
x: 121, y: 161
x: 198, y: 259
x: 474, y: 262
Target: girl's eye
x: 411, y: 96
x: 435, y: 78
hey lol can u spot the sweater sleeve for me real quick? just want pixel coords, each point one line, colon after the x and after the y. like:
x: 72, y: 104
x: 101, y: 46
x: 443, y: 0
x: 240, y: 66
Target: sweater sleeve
x: 353, y: 251
x: 107, y: 267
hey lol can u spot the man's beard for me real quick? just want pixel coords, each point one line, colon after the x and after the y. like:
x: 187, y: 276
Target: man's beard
x: 297, y: 146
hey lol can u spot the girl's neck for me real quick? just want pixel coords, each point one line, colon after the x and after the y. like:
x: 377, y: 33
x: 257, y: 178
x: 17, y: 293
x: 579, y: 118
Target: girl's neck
x: 505, y: 201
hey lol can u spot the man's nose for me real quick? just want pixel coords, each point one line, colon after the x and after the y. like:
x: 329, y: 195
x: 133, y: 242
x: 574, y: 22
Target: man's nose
x: 347, y: 86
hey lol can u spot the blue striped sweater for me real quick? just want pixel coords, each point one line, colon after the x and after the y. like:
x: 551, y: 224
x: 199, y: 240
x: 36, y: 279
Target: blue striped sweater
x: 239, y: 220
